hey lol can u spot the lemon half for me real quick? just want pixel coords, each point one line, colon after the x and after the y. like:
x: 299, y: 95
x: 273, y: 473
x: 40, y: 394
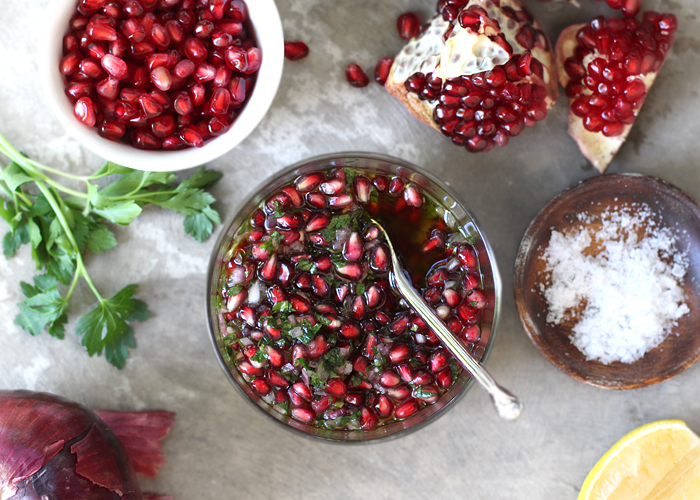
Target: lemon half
x: 658, y: 461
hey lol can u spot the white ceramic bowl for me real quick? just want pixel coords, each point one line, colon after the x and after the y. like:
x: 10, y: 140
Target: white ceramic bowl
x: 268, y: 29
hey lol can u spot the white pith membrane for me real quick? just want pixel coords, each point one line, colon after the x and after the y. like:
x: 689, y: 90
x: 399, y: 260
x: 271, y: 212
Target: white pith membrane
x: 596, y: 147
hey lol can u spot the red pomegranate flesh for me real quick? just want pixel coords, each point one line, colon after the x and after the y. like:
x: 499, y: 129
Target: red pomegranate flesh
x: 607, y: 68
x: 160, y: 75
x: 312, y: 323
x: 479, y: 72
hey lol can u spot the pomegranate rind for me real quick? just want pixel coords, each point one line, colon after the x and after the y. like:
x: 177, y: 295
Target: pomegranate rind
x: 423, y: 110
x: 596, y: 147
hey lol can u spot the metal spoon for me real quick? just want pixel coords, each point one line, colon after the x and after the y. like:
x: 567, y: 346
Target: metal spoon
x: 507, y: 405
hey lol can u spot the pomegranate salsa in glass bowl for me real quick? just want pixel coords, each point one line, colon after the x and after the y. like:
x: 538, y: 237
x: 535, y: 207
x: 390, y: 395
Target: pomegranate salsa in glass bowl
x: 301, y: 312
x: 161, y: 84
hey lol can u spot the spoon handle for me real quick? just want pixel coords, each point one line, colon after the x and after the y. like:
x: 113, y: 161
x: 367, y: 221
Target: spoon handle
x: 507, y: 405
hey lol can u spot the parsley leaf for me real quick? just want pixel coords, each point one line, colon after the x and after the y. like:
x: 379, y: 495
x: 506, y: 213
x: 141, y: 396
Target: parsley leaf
x: 43, y: 308
x: 62, y: 224
x: 106, y: 328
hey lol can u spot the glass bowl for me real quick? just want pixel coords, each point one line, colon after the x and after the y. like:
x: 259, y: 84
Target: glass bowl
x: 456, y: 217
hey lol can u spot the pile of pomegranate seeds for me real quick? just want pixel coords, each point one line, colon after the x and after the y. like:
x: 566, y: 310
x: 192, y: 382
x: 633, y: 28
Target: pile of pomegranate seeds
x: 313, y: 324
x: 159, y: 73
x: 295, y: 50
x: 608, y: 66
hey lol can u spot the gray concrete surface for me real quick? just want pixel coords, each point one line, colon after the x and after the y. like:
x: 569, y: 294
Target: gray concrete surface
x: 221, y: 447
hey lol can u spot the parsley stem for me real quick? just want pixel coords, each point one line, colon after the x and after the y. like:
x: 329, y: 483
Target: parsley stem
x: 34, y: 168
x: 80, y: 266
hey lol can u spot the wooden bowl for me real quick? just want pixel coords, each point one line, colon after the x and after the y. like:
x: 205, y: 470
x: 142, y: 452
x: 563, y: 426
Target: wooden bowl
x: 678, y: 212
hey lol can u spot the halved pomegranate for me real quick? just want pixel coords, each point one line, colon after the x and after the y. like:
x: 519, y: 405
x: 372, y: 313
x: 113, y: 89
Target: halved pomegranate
x: 607, y: 67
x: 478, y: 72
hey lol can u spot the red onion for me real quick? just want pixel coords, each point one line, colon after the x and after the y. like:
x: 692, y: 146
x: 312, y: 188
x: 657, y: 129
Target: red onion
x: 54, y: 449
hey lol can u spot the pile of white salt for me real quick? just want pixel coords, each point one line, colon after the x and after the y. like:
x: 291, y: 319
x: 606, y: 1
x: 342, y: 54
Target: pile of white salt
x: 630, y: 285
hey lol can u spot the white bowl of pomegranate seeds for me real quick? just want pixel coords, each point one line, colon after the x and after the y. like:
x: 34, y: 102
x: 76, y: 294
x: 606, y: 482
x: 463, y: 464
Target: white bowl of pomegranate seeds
x: 301, y: 312
x: 161, y: 84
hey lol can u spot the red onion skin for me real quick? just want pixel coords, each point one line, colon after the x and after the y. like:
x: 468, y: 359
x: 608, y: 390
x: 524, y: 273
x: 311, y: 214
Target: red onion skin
x: 52, y: 448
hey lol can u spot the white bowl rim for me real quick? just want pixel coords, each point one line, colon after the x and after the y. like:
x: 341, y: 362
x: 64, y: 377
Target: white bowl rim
x: 271, y: 41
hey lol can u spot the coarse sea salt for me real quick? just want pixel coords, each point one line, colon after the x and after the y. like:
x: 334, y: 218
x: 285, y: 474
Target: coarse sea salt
x: 621, y: 283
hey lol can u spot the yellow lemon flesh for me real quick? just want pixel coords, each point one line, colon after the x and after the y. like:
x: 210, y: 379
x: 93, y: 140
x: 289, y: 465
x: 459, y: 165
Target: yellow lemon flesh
x: 658, y: 461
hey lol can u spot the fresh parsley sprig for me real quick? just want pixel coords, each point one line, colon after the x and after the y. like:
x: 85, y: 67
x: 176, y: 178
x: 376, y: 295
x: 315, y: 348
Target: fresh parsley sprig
x: 62, y: 224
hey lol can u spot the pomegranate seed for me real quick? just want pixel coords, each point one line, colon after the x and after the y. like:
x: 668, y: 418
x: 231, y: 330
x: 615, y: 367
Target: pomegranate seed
x: 191, y: 136
x: 332, y: 186
x: 354, y: 398
x: 70, y: 63
x: 108, y: 88
x: 358, y: 307
x: 317, y: 222
x: 353, y: 247
x: 380, y: 259
x: 400, y: 353
x: 336, y: 388
x: 319, y: 286
x: 115, y: 66
x: 356, y: 76
x: 368, y: 419
x: 254, y: 58
x: 438, y: 361
x: 111, y: 129
x: 383, y: 406
x: 318, y: 347
x: 236, y: 58
x: 408, y: 25
x: 304, y: 414
x: 399, y: 325
x: 101, y: 32
x: 84, y: 110
x: 352, y: 271
x: 308, y: 182
x: 295, y: 50
x: 389, y: 379
x: 349, y: 331
x: 399, y: 393
x: 250, y: 370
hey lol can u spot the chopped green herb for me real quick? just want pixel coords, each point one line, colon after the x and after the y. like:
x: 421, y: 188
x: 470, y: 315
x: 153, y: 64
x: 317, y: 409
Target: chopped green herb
x: 259, y: 357
x: 421, y: 392
x: 342, y: 421
x: 360, y: 288
x: 350, y: 220
x: 273, y: 243
x: 283, y: 306
x: 473, y: 303
x: 350, y: 174
x: 305, y: 265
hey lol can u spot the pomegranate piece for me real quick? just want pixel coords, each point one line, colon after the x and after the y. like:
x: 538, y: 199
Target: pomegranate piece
x: 478, y: 73
x: 137, y: 61
x: 356, y: 76
x: 295, y: 50
x: 607, y: 67
x: 316, y: 325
